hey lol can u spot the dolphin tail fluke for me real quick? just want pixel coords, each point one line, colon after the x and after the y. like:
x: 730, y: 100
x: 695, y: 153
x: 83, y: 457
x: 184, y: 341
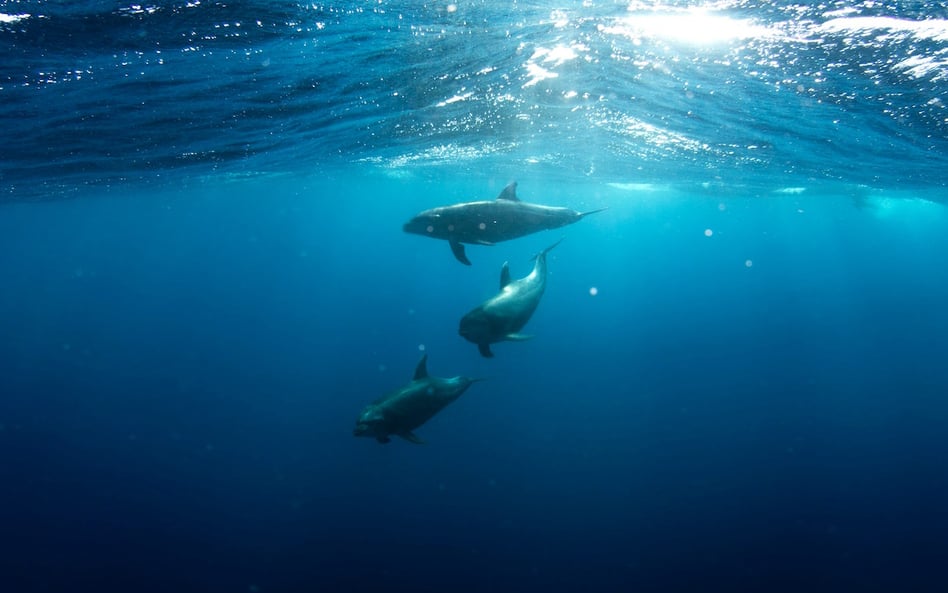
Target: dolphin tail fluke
x: 458, y: 250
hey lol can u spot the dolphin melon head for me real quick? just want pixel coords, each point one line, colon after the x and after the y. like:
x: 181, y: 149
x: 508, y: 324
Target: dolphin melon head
x: 428, y: 223
x: 371, y: 423
x: 475, y: 327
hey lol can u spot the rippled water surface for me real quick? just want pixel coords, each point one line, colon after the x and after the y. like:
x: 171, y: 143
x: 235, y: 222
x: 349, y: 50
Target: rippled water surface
x: 745, y: 93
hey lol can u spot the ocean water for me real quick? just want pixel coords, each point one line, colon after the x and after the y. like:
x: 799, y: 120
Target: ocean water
x: 738, y: 376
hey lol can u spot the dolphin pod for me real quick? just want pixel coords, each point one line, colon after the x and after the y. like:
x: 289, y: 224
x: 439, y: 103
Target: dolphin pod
x: 499, y: 318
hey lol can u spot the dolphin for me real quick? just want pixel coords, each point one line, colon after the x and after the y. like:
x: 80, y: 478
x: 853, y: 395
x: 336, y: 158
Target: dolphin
x: 490, y: 222
x: 405, y: 409
x: 502, y: 316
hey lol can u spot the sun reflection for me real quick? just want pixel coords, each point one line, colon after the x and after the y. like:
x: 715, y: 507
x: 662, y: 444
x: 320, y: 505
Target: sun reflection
x: 12, y: 18
x: 696, y: 25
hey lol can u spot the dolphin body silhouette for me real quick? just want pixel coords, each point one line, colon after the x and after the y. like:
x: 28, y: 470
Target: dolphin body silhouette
x: 501, y: 317
x: 490, y: 222
x: 405, y: 409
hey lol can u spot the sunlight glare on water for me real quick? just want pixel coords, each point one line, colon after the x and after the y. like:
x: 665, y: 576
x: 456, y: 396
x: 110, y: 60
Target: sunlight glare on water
x: 695, y: 25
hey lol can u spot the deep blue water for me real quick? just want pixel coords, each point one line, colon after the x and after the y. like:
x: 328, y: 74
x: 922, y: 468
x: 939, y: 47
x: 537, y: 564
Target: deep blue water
x: 205, y: 279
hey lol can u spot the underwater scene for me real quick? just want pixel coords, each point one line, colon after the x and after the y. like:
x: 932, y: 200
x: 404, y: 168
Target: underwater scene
x: 473, y: 296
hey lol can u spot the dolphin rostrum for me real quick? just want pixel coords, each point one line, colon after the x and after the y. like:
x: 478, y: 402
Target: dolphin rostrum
x: 502, y: 316
x: 489, y: 222
x: 405, y: 409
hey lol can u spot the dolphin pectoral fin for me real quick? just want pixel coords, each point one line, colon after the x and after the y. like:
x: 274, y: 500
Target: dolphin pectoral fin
x: 411, y: 437
x: 383, y: 440
x: 458, y: 250
x: 518, y: 337
x: 509, y: 193
x: 484, y: 349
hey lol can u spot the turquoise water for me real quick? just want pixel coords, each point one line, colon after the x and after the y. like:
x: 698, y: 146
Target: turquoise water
x: 736, y: 380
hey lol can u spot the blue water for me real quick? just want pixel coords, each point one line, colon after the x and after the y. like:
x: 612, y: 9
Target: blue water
x: 738, y: 378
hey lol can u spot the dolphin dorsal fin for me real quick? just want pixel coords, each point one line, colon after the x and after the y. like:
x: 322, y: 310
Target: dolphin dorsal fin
x: 421, y: 371
x: 509, y: 193
x: 504, y: 275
